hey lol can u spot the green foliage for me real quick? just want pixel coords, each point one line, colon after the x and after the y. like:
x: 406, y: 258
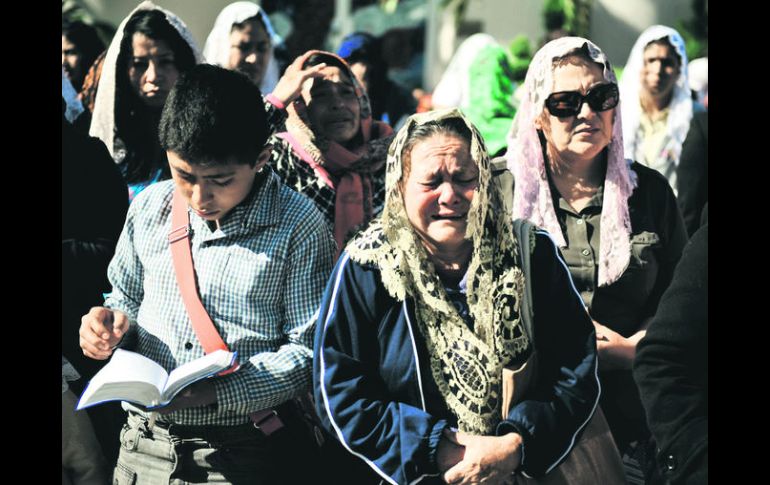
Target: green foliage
x: 695, y: 31
x: 618, y: 72
x: 520, y: 55
x: 72, y: 10
x: 573, y: 16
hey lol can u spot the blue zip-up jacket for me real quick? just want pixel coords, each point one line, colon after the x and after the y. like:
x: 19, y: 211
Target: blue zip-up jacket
x: 375, y: 393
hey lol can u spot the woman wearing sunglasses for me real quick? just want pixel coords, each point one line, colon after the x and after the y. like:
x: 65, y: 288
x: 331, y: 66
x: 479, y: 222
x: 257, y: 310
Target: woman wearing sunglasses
x: 616, y: 222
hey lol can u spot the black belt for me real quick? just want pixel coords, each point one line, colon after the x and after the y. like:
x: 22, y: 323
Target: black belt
x: 217, y: 433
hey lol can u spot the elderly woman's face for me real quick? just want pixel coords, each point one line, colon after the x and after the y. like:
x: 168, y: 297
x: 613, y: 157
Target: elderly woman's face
x: 439, y: 189
x: 332, y: 105
x: 152, y: 70
x: 583, y: 136
x: 250, y: 50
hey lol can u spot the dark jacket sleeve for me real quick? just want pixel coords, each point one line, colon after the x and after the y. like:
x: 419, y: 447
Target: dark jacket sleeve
x: 397, y: 440
x: 667, y: 218
x: 671, y: 369
x: 566, y: 391
x: 692, y: 174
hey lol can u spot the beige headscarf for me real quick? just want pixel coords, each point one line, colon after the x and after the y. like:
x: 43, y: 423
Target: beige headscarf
x: 466, y: 364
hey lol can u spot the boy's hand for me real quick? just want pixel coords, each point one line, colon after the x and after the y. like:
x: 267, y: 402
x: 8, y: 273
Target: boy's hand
x: 101, y: 329
x: 290, y: 84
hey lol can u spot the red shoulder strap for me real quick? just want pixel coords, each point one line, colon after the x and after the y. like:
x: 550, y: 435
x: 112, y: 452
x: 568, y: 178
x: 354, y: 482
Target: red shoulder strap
x: 181, y: 254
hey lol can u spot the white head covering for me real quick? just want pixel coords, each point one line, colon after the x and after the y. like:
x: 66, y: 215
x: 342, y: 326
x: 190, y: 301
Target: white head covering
x: 103, y: 119
x: 680, y: 112
x: 74, y: 105
x: 532, y: 195
x: 452, y: 91
x: 217, y: 48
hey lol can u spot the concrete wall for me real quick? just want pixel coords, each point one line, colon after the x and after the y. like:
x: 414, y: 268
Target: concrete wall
x: 199, y: 15
x: 615, y: 24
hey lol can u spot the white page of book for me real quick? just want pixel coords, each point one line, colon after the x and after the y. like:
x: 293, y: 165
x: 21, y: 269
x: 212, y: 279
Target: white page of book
x: 120, y: 375
x: 195, y: 369
x: 133, y: 367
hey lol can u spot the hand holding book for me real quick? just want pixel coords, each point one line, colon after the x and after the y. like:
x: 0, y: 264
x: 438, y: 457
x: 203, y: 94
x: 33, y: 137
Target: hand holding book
x: 132, y: 377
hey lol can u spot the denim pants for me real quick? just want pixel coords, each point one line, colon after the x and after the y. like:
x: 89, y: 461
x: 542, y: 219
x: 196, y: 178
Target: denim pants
x: 214, y: 454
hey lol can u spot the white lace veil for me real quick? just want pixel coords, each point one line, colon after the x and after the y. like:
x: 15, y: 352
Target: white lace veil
x: 680, y: 112
x: 103, y: 118
x: 217, y: 47
x: 532, y: 195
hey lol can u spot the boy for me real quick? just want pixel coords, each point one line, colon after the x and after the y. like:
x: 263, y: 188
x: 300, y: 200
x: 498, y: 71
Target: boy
x: 262, y: 255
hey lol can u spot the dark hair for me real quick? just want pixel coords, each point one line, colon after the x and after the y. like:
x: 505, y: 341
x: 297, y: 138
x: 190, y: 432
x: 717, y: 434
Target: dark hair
x: 320, y: 57
x: 446, y: 126
x: 581, y: 53
x: 360, y: 47
x: 86, y: 40
x: 665, y: 43
x: 153, y: 24
x: 214, y: 116
x: 367, y: 49
x: 260, y: 21
x: 136, y: 124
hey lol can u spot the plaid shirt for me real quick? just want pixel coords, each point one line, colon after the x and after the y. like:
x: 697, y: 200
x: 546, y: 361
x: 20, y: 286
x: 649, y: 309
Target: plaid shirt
x: 260, y: 277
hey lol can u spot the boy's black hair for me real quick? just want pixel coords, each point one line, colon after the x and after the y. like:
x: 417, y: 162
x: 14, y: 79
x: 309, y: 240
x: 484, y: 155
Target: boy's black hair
x: 214, y: 116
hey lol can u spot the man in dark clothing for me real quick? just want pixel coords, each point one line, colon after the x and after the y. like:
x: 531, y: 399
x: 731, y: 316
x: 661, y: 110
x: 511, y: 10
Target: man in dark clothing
x: 671, y: 369
x: 692, y: 174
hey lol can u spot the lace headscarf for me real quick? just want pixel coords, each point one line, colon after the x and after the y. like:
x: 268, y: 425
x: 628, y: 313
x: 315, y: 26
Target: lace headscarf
x: 103, y: 119
x: 466, y: 364
x: 680, y: 109
x: 532, y: 195
x: 217, y: 47
x: 348, y: 172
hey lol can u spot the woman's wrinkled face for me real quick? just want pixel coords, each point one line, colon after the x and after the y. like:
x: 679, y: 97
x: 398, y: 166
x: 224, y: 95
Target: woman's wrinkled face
x: 438, y: 191
x: 332, y: 105
x: 581, y: 137
x: 660, y: 69
x: 152, y: 70
x: 250, y: 50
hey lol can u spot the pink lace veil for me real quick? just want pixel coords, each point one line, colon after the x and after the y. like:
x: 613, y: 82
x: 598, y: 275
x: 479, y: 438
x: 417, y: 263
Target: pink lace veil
x: 532, y: 195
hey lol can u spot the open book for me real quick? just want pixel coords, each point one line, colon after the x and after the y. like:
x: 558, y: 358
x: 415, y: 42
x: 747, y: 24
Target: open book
x: 132, y: 377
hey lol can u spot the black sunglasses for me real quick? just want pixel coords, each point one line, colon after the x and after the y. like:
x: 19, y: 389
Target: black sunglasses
x: 568, y: 103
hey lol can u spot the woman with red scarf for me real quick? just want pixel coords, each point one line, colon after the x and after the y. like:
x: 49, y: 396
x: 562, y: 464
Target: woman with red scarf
x: 332, y: 151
